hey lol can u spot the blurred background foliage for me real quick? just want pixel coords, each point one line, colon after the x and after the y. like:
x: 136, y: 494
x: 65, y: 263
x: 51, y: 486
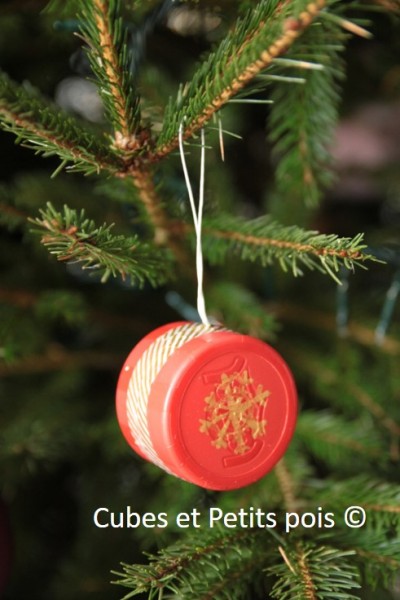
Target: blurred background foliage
x: 64, y: 335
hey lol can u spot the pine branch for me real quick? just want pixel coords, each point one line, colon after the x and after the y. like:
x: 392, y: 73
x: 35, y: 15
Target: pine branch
x: 266, y: 241
x: 331, y: 378
x: 287, y: 485
x: 188, y: 568
x: 51, y: 132
x: 137, y: 187
x: 331, y: 438
x: 110, y: 61
x: 380, y: 500
x: 376, y: 552
x: 284, y: 487
x: 312, y: 572
x: 62, y: 7
x: 389, y: 5
x: 73, y: 238
x: 146, y: 189
x: 262, y: 35
x: 382, y: 565
x: 10, y: 216
x: 27, y: 445
x: 25, y: 299
x: 240, y: 310
x: 303, y: 117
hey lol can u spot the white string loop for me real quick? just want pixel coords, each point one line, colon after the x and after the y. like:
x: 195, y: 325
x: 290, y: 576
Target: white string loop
x: 197, y: 219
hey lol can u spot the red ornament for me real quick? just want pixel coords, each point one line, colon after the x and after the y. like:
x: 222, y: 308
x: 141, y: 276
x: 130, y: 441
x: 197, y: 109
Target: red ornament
x: 208, y: 405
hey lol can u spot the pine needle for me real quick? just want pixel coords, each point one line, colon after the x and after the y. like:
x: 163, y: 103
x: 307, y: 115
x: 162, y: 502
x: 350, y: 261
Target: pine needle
x: 73, y: 238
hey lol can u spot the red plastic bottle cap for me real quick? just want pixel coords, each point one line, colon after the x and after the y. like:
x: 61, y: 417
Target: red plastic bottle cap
x: 220, y: 410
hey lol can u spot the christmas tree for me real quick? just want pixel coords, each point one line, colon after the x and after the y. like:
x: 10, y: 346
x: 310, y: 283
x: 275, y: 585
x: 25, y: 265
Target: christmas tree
x: 98, y: 246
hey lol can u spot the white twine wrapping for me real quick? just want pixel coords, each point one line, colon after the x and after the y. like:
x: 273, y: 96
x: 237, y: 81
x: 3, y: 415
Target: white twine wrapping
x: 143, y: 376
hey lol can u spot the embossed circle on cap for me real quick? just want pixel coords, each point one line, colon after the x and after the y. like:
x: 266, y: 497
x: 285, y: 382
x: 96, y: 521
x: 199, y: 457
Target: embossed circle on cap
x: 222, y: 410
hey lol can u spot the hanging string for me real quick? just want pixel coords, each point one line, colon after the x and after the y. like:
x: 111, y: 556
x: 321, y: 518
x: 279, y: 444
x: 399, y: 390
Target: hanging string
x: 197, y: 219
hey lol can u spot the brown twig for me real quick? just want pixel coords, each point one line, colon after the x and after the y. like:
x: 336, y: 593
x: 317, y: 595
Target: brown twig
x: 373, y: 557
x: 287, y: 485
x: 296, y: 247
x: 13, y: 212
x: 113, y: 72
x: 383, y: 508
x: 310, y: 591
x: 127, y: 141
x: 144, y: 184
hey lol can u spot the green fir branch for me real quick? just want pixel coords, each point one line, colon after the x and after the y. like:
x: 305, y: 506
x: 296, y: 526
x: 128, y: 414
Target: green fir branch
x: 218, y: 565
x: 380, y: 500
x: 377, y: 553
x: 331, y: 438
x: 266, y: 241
x: 62, y: 7
x: 303, y: 117
x: 62, y: 305
x: 40, y: 443
x: 314, y: 572
x: 73, y: 238
x: 109, y: 57
x: 11, y: 217
x: 343, y: 389
x: 288, y: 478
x: 240, y: 309
x: 389, y: 5
x: 263, y: 34
x: 51, y: 132
x: 379, y: 564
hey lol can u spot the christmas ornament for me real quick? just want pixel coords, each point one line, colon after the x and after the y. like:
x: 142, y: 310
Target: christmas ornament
x: 208, y: 405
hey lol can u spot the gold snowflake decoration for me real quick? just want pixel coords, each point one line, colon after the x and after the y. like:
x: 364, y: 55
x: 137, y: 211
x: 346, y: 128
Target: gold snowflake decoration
x: 233, y: 411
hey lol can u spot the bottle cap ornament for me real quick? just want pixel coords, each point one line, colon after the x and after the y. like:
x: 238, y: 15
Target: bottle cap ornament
x: 208, y: 405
